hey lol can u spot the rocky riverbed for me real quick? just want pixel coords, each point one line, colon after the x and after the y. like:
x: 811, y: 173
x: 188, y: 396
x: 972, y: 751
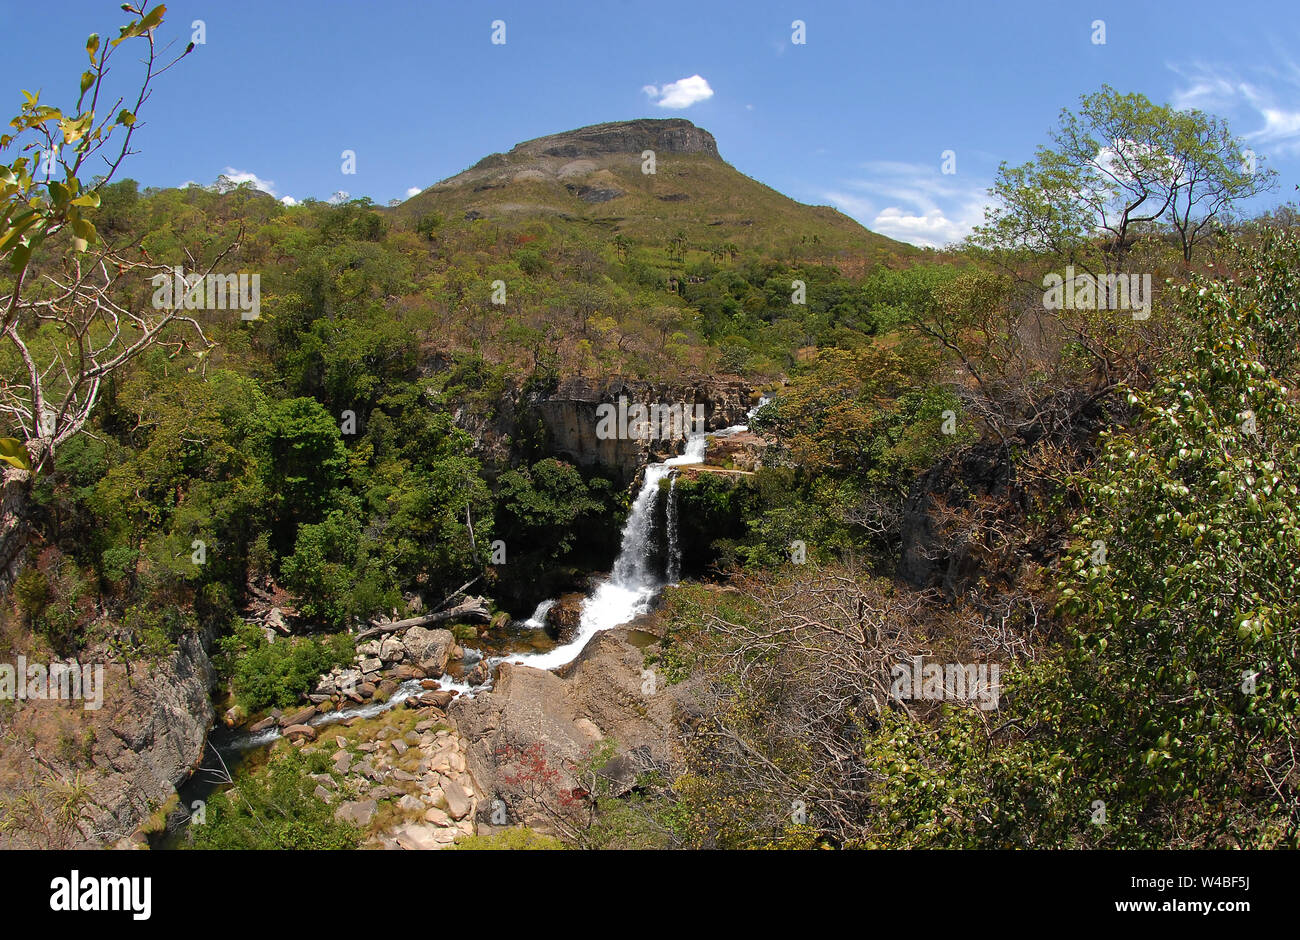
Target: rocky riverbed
x: 400, y: 776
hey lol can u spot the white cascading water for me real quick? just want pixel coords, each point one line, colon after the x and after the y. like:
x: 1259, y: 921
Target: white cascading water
x: 674, y: 572
x: 634, y: 582
x: 538, y: 619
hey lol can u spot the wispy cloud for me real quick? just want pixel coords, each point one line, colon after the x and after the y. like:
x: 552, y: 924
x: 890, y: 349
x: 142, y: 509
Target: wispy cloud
x: 912, y: 202
x: 1263, y: 98
x: 679, y: 94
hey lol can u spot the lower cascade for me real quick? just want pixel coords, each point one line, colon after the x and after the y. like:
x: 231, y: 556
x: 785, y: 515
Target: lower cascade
x: 634, y: 582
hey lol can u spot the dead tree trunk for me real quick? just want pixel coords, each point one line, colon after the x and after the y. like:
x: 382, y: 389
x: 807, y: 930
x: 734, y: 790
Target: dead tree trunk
x: 471, y: 608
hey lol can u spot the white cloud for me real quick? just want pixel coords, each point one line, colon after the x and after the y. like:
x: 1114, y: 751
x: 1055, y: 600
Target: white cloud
x: 912, y: 202
x: 413, y: 191
x: 238, y: 177
x: 339, y: 197
x: 1263, y: 99
x: 680, y: 94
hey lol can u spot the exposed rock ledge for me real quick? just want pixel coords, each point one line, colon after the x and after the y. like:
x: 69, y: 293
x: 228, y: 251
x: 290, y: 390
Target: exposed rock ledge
x: 534, y: 714
x: 132, y: 752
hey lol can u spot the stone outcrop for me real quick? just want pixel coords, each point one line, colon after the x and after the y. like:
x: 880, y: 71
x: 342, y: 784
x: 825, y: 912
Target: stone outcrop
x: 132, y: 752
x: 570, y: 415
x: 569, y: 418
x: 402, y: 779
x: 668, y: 135
x: 529, y: 735
x: 565, y: 617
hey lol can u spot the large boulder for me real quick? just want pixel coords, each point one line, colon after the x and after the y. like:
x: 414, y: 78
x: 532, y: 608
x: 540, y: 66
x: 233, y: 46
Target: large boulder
x: 564, y: 617
x: 391, y: 650
x: 357, y: 812
x: 526, y: 736
x: 429, y: 649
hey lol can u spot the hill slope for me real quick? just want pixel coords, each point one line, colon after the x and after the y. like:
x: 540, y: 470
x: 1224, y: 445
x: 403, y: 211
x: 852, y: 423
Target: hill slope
x: 594, y: 175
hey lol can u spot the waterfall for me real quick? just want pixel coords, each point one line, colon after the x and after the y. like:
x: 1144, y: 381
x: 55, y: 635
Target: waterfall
x: 538, y: 619
x: 635, y: 579
x: 674, y: 572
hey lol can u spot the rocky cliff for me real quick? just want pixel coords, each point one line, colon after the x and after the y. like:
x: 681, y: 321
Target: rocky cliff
x: 564, y: 422
x: 528, y: 738
x: 131, y: 753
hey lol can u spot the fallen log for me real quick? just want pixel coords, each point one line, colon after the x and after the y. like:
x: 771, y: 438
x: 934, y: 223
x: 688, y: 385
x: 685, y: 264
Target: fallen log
x: 471, y: 608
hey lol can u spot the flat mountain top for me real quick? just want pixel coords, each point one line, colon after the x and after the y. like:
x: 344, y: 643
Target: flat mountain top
x: 671, y: 135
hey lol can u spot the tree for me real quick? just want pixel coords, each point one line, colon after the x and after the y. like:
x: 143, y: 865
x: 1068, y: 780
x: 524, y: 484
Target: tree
x: 65, y: 331
x: 1117, y: 166
x: 306, y: 460
x: 1172, y: 708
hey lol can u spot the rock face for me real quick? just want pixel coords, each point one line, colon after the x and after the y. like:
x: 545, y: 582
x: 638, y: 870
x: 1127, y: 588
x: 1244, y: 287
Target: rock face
x: 936, y: 553
x: 132, y: 752
x: 528, y: 734
x: 572, y: 417
x: 671, y: 135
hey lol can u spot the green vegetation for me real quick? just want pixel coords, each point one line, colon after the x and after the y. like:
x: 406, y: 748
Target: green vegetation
x: 516, y: 837
x: 274, y: 809
x: 265, y: 674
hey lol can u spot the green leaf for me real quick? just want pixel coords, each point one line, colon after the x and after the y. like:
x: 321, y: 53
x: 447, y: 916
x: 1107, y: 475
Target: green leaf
x: 83, y: 233
x: 92, y: 46
x: 153, y: 17
x: 13, y: 452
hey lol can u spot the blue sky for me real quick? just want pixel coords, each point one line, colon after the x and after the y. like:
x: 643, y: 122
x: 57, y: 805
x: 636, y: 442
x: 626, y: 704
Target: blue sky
x: 858, y: 116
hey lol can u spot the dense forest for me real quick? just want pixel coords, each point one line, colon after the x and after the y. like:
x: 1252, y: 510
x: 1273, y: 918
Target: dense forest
x: 1097, y: 498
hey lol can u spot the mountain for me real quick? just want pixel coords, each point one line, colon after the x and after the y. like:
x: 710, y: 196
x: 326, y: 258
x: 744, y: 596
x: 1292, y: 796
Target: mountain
x: 594, y: 175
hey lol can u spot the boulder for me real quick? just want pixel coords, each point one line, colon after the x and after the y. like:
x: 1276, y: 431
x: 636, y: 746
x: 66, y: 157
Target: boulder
x: 458, y: 803
x: 300, y: 733
x: 564, y: 617
x: 419, y: 837
x: 479, y: 674
x: 406, y: 671
x: 557, y: 717
x: 357, y: 812
x: 300, y: 717
x: 437, y: 699
x: 429, y: 649
x: 391, y: 650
